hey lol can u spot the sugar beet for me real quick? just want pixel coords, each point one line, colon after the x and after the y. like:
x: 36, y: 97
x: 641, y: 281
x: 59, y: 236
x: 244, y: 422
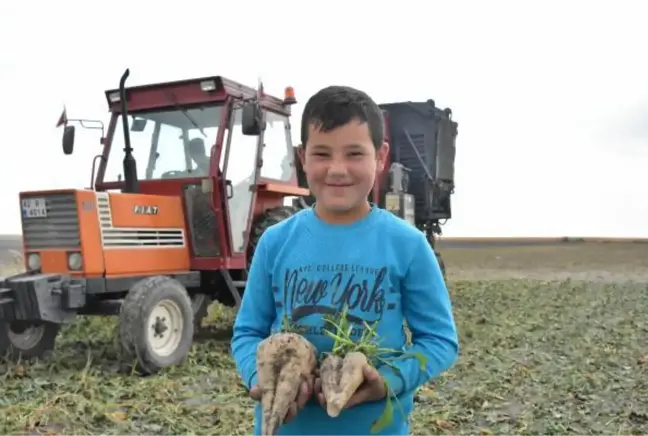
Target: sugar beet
x: 284, y: 362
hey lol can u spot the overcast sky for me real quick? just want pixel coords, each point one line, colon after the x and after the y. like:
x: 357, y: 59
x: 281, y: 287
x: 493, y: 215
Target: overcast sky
x: 551, y: 97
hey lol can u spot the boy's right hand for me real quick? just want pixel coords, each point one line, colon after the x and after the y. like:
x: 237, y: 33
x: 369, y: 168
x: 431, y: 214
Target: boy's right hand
x: 304, y: 394
x: 372, y: 389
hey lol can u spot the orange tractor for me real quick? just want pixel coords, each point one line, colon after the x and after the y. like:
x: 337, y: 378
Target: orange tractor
x: 208, y: 164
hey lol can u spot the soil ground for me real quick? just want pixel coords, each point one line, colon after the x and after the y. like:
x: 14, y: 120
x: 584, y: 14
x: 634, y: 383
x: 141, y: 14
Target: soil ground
x: 554, y: 340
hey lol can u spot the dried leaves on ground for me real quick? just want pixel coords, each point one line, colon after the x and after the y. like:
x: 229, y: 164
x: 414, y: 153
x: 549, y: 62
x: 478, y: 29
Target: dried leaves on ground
x: 537, y: 357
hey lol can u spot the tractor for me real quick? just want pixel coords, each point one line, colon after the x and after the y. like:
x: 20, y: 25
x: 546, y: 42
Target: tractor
x: 176, y: 205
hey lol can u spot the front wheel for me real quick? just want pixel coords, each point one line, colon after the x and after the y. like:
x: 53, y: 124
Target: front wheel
x: 27, y: 340
x: 156, y: 324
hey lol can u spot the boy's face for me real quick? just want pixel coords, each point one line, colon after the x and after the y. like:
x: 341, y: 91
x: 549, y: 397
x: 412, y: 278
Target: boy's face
x: 341, y: 165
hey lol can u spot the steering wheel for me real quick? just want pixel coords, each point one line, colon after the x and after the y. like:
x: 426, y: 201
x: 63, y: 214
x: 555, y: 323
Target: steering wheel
x: 170, y: 174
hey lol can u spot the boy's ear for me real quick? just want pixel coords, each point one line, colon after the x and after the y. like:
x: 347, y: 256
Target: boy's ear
x: 381, y: 155
x: 301, y: 154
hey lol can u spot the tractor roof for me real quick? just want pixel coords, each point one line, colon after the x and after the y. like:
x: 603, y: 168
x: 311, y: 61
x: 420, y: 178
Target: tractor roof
x: 210, y: 89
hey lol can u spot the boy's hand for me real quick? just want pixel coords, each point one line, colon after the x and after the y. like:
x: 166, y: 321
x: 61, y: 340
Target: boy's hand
x: 372, y: 389
x: 305, y: 392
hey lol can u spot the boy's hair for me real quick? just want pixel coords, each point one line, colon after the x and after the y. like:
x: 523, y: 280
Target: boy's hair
x: 335, y: 106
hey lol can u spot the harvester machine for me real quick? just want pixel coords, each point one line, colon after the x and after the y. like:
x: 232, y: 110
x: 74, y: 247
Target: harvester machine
x: 420, y: 180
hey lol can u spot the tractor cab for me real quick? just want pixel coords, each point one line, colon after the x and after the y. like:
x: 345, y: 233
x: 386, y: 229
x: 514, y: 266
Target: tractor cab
x: 224, y: 148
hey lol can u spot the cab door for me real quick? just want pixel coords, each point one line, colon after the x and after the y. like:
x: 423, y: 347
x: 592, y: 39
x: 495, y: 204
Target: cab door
x: 240, y: 173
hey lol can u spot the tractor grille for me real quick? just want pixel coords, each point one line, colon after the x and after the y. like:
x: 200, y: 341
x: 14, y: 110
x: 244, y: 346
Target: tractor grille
x: 60, y: 229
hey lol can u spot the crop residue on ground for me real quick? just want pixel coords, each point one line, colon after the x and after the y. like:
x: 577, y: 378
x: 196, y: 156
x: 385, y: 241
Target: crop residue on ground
x: 542, y: 356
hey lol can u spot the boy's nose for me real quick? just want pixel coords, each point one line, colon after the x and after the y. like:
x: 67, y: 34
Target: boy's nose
x: 337, y: 170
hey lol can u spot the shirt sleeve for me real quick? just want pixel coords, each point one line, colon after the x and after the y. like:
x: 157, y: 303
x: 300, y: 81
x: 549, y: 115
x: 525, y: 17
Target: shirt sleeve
x: 256, y: 315
x: 428, y: 312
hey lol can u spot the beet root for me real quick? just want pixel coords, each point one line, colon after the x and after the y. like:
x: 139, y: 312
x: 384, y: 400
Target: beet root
x: 284, y: 362
x: 341, y: 377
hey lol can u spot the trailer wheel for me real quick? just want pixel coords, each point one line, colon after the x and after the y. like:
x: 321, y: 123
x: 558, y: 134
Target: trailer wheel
x: 156, y: 324
x: 262, y: 222
x: 432, y: 241
x: 27, y: 340
x: 441, y: 263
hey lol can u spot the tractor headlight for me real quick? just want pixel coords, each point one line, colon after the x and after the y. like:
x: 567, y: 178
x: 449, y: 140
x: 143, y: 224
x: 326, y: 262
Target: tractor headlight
x: 75, y: 261
x: 33, y: 261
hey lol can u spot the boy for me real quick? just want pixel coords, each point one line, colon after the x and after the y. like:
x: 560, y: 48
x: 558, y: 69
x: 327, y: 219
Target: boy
x: 345, y: 251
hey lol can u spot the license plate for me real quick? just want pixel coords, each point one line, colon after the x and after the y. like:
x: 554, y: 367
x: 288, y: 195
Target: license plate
x: 34, y: 208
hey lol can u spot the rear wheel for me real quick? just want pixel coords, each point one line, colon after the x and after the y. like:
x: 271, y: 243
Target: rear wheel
x: 269, y: 218
x: 200, y: 304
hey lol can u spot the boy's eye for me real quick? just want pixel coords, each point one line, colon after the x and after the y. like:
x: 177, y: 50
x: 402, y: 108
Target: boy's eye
x: 356, y: 153
x: 320, y: 154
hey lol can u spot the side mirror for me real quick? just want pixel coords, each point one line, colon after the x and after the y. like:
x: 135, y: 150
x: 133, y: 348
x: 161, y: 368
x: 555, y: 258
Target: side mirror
x: 68, y: 140
x: 251, y: 119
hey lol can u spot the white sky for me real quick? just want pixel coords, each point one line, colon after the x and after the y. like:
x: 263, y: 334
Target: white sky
x: 551, y: 97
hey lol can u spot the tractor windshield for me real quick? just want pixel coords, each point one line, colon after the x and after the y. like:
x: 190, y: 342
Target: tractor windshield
x: 167, y: 144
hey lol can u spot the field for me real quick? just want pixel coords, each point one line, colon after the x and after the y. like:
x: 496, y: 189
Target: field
x: 554, y: 341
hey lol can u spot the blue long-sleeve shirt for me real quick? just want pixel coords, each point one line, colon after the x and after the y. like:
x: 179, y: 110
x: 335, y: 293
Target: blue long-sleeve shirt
x: 383, y: 269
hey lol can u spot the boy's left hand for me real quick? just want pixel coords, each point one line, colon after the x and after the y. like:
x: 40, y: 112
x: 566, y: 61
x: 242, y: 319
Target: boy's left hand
x: 372, y: 389
x: 304, y: 394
